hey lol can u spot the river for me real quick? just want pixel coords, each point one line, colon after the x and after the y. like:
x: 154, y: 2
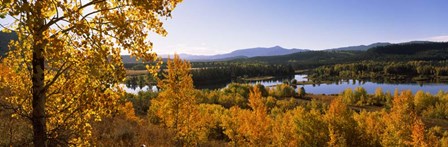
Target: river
x: 339, y: 86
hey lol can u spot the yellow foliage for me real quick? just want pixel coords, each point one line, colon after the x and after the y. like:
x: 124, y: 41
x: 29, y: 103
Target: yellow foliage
x: 341, y: 125
x: 423, y: 100
x: 418, y: 134
x: 176, y: 105
x: 371, y: 126
x: 128, y: 111
x: 283, y: 130
x: 249, y: 127
x: 400, y: 121
x: 310, y: 127
x: 67, y: 64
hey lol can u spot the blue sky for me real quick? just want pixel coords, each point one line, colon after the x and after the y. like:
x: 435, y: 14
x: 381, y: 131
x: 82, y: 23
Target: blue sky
x: 205, y: 27
x: 221, y: 26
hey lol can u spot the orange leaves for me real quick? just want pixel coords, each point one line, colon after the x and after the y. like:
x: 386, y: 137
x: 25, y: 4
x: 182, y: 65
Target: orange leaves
x: 176, y: 104
x: 341, y: 125
x: 4, y: 71
x: 256, y: 102
x: 403, y: 126
x: 418, y: 134
x: 249, y: 127
x: 371, y: 127
x: 128, y: 111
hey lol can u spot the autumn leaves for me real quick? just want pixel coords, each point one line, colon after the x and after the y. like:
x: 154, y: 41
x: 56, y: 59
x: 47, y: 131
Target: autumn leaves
x: 262, y: 123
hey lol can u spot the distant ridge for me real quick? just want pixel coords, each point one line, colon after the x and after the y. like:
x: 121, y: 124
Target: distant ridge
x: 241, y: 53
x: 359, y: 47
x: 273, y: 52
x: 412, y: 48
x: 277, y: 52
x: 237, y: 54
x: 407, y: 51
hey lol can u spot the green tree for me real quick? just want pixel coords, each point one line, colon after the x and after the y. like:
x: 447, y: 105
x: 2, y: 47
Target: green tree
x: 301, y: 92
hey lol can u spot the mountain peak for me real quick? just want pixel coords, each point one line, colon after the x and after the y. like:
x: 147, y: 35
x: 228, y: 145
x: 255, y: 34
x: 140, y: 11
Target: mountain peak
x: 243, y: 53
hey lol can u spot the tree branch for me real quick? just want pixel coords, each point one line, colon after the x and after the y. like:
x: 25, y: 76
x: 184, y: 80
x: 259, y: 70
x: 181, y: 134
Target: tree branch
x: 60, y: 71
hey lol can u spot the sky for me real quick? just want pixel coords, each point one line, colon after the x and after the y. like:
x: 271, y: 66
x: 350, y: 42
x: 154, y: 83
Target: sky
x: 204, y: 27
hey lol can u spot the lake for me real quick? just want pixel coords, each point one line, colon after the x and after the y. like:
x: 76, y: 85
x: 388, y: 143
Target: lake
x: 336, y: 87
x: 135, y: 90
x: 339, y: 86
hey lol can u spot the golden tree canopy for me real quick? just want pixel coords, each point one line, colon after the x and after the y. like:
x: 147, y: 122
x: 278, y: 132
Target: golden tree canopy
x: 66, y: 65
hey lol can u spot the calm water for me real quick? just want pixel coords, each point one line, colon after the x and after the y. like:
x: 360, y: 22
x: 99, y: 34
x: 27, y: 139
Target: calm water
x: 337, y: 87
x: 138, y: 89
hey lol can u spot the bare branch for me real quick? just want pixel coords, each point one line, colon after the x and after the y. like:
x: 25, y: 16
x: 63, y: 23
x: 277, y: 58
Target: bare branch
x: 57, y: 19
x: 60, y: 71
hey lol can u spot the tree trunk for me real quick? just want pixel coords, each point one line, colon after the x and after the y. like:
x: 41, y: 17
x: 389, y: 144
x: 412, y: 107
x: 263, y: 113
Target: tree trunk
x: 38, y: 91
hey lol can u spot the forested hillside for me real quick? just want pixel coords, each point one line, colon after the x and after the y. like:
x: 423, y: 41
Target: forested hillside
x: 4, y: 40
x: 360, y: 47
x: 426, y: 51
x: 425, y: 48
x: 307, y: 59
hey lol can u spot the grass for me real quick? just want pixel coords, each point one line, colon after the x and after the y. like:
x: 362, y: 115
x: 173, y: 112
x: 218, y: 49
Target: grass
x: 432, y: 122
x: 259, y: 78
x: 119, y: 131
x: 136, y: 72
x: 301, y: 71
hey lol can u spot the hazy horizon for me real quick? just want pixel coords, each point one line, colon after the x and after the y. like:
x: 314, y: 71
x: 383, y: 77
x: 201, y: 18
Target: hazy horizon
x: 430, y: 40
x: 215, y: 27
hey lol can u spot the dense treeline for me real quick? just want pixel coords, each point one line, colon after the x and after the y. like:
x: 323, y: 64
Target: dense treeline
x: 424, y: 104
x: 308, y: 60
x: 410, y: 48
x: 383, y: 71
x: 141, y: 66
x: 138, y: 66
x: 140, y: 81
x: 226, y: 74
x: 426, y: 51
x: 217, y: 73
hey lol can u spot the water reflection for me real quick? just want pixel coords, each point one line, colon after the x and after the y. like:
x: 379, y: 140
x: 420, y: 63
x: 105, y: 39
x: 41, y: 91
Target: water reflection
x: 135, y: 89
x: 334, y: 87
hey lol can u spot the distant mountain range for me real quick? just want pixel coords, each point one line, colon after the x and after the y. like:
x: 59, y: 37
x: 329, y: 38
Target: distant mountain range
x: 242, y: 53
x: 277, y: 51
x: 237, y: 54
